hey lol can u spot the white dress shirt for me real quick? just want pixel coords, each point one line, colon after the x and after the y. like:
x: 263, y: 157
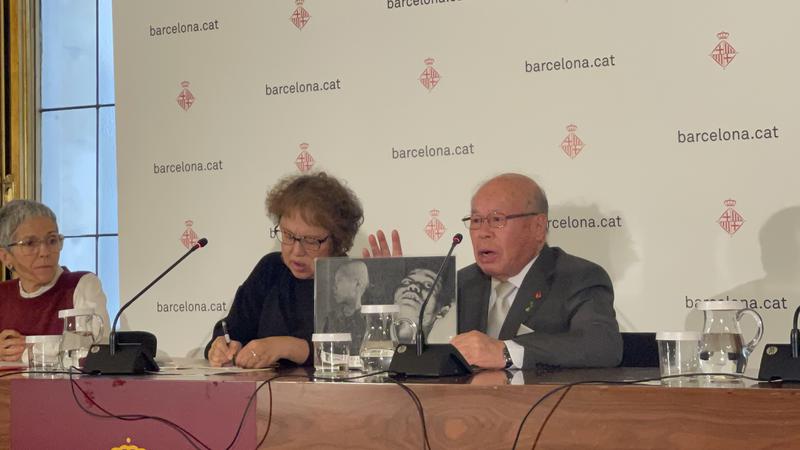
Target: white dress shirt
x: 517, y: 351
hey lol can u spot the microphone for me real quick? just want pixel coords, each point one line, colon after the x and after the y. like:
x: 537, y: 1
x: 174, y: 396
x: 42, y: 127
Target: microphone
x: 135, y: 356
x: 433, y: 360
x: 420, y: 333
x: 794, y: 335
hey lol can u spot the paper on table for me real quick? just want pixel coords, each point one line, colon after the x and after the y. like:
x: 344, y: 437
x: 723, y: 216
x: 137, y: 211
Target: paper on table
x: 186, y: 366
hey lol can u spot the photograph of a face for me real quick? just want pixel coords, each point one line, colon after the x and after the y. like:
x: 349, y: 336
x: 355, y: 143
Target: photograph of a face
x: 343, y: 285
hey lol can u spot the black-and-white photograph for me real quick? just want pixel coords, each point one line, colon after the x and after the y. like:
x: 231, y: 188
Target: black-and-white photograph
x: 343, y: 285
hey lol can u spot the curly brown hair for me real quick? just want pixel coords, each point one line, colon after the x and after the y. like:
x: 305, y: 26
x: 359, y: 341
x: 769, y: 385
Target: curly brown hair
x: 321, y: 200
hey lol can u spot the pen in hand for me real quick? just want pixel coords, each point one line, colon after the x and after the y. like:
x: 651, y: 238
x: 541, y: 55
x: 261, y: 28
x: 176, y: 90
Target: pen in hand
x: 225, y: 330
x: 227, y: 336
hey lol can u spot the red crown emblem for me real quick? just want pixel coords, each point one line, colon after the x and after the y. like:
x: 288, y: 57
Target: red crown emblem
x: 188, y: 237
x: 304, y: 160
x: 723, y: 52
x: 429, y: 77
x: 434, y: 228
x: 730, y: 220
x: 300, y: 16
x: 572, y: 145
x: 185, y: 99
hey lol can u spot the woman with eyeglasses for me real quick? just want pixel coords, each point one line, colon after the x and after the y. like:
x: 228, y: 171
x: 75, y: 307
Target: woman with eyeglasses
x: 272, y: 315
x: 30, y: 246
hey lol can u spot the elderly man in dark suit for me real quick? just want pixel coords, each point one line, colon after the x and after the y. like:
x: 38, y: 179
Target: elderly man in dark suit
x: 523, y: 302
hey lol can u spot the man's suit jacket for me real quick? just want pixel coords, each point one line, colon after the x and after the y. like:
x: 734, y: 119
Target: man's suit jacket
x: 567, y: 301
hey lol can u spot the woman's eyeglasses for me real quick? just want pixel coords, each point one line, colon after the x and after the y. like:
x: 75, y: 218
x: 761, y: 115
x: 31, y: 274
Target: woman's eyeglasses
x: 28, y: 247
x: 288, y: 238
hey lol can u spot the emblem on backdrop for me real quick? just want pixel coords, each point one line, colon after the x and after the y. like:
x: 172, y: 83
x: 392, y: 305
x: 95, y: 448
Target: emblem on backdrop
x: 188, y: 237
x: 724, y: 52
x: 304, y: 160
x: 435, y: 228
x: 730, y: 220
x: 300, y: 16
x: 429, y: 77
x: 572, y: 144
x: 185, y: 98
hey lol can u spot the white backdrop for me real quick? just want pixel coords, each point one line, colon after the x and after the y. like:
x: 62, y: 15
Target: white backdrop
x: 659, y: 100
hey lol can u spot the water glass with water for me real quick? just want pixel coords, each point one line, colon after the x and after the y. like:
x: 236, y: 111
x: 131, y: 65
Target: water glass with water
x: 331, y: 354
x: 43, y: 352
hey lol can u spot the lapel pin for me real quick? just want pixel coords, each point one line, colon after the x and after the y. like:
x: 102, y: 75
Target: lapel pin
x: 536, y: 296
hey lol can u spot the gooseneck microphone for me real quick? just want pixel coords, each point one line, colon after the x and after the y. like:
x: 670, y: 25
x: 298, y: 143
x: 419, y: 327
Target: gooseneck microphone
x: 130, y: 357
x: 431, y: 360
x: 112, y: 335
x: 794, y: 335
x: 420, y: 333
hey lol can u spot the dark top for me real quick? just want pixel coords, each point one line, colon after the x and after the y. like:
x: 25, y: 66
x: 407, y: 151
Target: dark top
x: 271, y: 302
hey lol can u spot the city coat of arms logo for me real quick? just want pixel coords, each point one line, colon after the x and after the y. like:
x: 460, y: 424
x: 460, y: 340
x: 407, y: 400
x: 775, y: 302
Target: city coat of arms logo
x: 572, y: 144
x: 304, y: 160
x: 730, y: 220
x: 724, y: 52
x: 185, y: 98
x: 300, y: 16
x: 429, y: 77
x: 434, y: 228
x: 188, y: 237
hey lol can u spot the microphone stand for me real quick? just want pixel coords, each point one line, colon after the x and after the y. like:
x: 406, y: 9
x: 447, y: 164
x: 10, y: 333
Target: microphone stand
x: 420, y: 333
x: 432, y: 360
x: 131, y: 357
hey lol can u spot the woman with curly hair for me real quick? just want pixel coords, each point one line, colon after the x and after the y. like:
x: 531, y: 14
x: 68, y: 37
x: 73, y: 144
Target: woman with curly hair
x: 272, y: 315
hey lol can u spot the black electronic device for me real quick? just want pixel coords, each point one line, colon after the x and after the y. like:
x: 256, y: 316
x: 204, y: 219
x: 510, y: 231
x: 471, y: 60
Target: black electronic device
x: 777, y: 362
x: 781, y: 361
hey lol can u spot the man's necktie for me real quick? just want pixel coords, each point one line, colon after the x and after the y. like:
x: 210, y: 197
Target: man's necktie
x: 499, y: 311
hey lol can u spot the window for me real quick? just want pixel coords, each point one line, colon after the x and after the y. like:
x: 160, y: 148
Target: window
x: 78, y: 148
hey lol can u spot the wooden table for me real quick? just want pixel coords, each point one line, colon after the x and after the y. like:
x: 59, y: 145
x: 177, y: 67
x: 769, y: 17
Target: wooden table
x: 478, y: 412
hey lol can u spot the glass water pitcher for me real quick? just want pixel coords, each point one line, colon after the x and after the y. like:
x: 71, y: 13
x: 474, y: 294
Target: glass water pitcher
x: 380, y: 336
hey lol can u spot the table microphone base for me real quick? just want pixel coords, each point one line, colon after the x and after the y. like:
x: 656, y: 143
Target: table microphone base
x: 436, y: 360
x: 128, y: 359
x: 777, y: 362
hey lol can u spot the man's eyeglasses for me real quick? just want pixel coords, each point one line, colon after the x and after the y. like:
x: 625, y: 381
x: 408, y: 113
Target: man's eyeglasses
x: 494, y: 219
x: 311, y: 244
x: 28, y: 247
